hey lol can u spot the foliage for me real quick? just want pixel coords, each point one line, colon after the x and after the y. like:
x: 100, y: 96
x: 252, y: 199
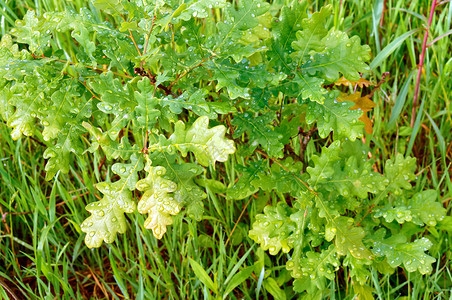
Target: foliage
x: 142, y: 88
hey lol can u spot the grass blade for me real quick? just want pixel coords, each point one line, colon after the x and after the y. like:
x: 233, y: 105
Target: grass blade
x: 202, y: 275
x: 237, y: 266
x: 441, y: 142
x: 238, y: 279
x: 400, y: 101
x: 389, y: 49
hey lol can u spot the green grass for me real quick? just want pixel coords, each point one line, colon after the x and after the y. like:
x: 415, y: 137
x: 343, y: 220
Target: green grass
x: 42, y: 254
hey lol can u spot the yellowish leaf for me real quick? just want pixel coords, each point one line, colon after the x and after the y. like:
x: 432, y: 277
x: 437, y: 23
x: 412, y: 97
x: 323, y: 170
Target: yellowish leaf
x: 361, y: 82
x: 363, y: 103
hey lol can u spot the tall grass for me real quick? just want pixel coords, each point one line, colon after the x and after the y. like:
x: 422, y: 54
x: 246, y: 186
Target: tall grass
x: 42, y: 255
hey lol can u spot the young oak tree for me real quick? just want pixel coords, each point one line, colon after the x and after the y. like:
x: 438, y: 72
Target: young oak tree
x: 167, y: 88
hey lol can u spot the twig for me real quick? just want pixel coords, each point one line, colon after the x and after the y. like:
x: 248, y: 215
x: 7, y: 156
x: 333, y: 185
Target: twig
x: 421, y: 64
x: 8, y: 290
x: 383, y: 13
x: 377, y: 87
x: 238, y: 220
x: 304, y: 143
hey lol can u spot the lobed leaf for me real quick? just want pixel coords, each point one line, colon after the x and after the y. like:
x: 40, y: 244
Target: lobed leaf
x: 398, y: 251
x: 158, y: 200
x: 260, y: 132
x: 208, y: 145
x: 107, y: 215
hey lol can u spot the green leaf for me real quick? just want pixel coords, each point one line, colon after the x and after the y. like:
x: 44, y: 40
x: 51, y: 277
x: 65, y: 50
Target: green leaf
x: 32, y: 95
x: 188, y: 193
x: 399, y: 251
x: 64, y: 105
x: 227, y: 77
x: 158, y: 200
x: 113, y: 7
x: 196, y: 102
x: 314, y: 29
x: 313, y: 269
x: 309, y: 87
x: 341, y: 55
x: 345, y: 169
x: 364, y: 291
x: 260, y: 132
x: 290, y: 21
x: 147, y: 111
x: 107, y: 217
x: 284, y: 176
x: 445, y: 224
x: 400, y: 171
x: 335, y: 116
x: 359, y: 268
x: 111, y: 148
x: 236, y: 23
x: 68, y: 141
x: 245, y: 187
x: 117, y: 99
x: 200, y: 9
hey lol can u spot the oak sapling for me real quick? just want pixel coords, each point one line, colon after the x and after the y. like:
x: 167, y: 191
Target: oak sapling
x: 170, y: 91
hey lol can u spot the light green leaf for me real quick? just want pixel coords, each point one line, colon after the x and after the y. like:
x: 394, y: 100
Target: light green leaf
x: 349, y: 238
x: 129, y: 171
x: 107, y: 217
x: 208, y: 145
x: 158, y: 200
x: 273, y: 230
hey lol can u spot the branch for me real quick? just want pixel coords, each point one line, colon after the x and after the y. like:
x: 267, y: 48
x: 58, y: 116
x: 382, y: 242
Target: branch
x: 421, y: 64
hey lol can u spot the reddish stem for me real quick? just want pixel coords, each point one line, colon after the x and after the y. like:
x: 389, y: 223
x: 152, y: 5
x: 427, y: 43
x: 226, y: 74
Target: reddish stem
x: 421, y: 63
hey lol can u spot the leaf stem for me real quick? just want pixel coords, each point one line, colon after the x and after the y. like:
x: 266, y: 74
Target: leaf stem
x: 189, y: 70
x: 149, y: 35
x: 287, y: 170
x: 89, y: 67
